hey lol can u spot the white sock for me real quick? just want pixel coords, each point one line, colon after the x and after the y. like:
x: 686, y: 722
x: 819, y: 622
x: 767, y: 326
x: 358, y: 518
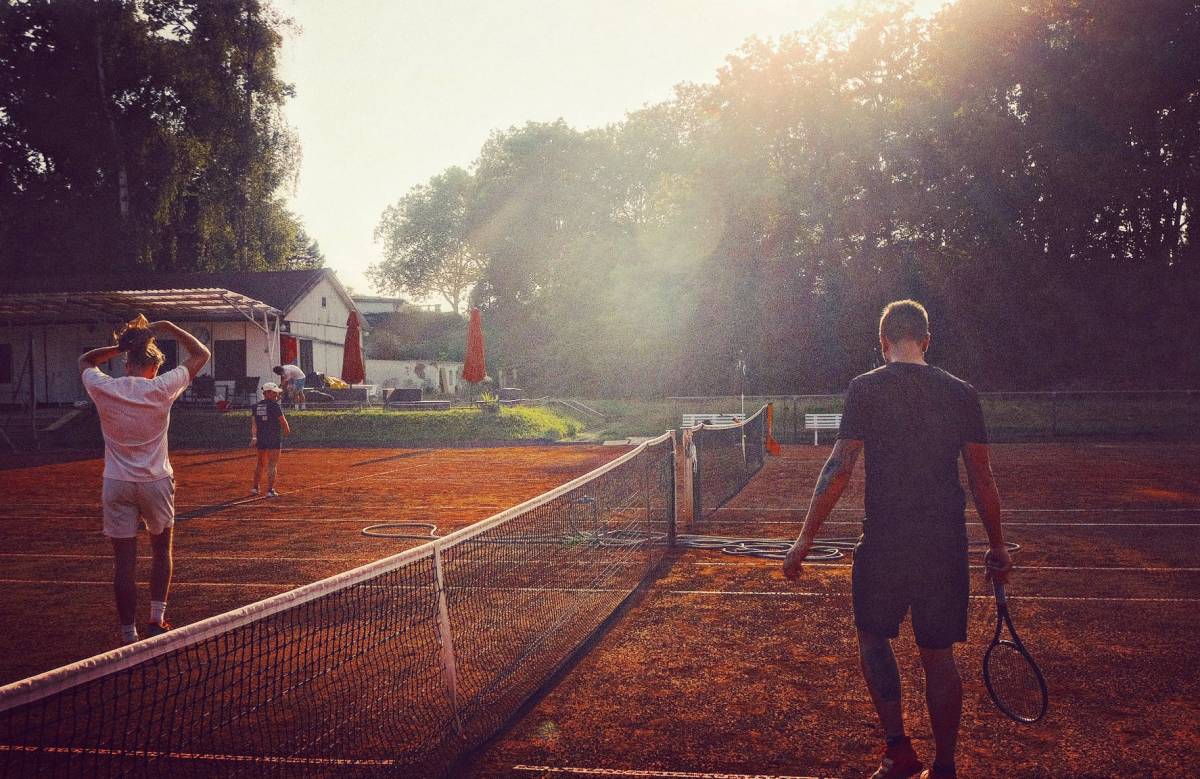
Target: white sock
x: 129, y: 633
x: 157, y: 607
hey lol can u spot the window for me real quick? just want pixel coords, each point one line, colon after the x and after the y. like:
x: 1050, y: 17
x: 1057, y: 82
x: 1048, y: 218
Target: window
x: 6, y: 368
x: 323, y: 303
x: 170, y: 350
x: 229, y: 360
x: 306, y: 356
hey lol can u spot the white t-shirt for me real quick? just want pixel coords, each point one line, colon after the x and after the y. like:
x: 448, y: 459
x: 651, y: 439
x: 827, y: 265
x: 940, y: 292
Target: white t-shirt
x: 134, y: 416
x: 291, y: 373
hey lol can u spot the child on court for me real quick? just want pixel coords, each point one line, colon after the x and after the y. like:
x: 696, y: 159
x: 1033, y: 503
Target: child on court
x: 267, y: 428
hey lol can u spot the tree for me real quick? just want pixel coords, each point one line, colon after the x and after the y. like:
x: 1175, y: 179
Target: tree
x: 143, y: 135
x: 426, y: 248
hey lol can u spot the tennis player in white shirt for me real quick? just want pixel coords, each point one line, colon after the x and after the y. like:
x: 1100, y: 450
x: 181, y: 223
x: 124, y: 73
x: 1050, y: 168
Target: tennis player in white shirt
x: 135, y: 412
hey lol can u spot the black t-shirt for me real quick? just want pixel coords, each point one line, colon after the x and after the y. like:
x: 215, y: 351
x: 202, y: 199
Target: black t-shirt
x: 266, y: 424
x: 913, y: 421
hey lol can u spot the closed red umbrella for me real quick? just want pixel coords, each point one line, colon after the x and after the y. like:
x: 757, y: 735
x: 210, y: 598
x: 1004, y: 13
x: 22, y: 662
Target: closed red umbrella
x: 474, y: 370
x: 353, y: 369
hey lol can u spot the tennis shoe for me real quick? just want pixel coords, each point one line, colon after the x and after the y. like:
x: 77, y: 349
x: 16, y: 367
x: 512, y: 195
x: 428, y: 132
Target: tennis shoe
x: 936, y: 773
x: 254, y: 490
x: 272, y: 494
x: 157, y: 630
x: 933, y: 773
x: 899, y: 762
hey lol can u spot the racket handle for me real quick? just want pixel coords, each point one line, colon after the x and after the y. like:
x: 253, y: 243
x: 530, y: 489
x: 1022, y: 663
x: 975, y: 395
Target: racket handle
x: 1001, y: 596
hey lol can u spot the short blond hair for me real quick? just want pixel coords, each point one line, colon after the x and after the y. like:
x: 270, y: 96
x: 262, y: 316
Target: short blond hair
x: 904, y: 320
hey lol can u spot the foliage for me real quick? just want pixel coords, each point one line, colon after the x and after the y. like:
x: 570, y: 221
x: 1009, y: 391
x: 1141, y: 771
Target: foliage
x: 145, y: 135
x: 413, y: 334
x: 1029, y: 170
x: 425, y: 245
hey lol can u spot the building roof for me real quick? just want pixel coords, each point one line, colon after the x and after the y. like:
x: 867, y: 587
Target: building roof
x: 209, y: 296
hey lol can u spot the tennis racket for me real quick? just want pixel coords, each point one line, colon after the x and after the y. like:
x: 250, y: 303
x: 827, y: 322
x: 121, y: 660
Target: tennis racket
x: 1012, y: 677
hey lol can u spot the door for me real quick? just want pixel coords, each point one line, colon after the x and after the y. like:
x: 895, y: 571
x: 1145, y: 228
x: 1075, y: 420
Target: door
x: 306, y: 357
x: 229, y: 360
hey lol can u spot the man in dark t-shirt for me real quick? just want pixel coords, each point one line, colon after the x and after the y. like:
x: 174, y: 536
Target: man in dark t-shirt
x: 267, y: 428
x: 913, y: 421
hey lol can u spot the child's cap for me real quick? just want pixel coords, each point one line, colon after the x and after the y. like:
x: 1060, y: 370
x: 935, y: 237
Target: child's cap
x: 270, y: 386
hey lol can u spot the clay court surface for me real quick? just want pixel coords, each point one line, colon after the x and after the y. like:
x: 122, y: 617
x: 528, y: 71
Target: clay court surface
x: 720, y: 667
x: 231, y: 548
x: 726, y: 669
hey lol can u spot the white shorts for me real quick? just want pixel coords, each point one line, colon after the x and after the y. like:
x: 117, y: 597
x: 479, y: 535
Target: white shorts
x: 127, y: 501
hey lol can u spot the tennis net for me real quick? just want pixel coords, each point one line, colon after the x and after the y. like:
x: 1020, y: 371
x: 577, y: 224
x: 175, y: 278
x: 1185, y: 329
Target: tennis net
x: 399, y: 668
x: 723, y: 458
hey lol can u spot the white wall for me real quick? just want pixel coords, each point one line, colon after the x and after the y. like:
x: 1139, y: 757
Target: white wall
x: 324, y: 325
x: 413, y: 373
x: 56, y: 351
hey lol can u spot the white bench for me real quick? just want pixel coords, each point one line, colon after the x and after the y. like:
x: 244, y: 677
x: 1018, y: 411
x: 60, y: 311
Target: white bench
x: 816, y: 422
x: 691, y: 420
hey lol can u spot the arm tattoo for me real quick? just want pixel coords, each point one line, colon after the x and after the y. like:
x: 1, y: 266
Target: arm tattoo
x: 883, y: 676
x: 833, y: 466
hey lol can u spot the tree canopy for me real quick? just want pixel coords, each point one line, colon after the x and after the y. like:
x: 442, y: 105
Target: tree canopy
x: 145, y: 135
x: 1029, y: 170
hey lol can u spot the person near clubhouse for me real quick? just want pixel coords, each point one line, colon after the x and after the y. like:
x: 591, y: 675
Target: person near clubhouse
x: 291, y: 378
x: 912, y: 421
x: 139, y: 483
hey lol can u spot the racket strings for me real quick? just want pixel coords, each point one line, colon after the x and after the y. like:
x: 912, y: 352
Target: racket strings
x: 1014, y: 682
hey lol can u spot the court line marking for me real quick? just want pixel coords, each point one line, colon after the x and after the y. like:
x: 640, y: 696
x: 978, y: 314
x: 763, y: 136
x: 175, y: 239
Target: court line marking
x: 1098, y: 509
x: 189, y: 557
x: 760, y: 563
x: 653, y: 774
x: 141, y: 754
x: 709, y: 521
x: 803, y: 594
x: 695, y: 525
x: 765, y: 563
x: 600, y: 590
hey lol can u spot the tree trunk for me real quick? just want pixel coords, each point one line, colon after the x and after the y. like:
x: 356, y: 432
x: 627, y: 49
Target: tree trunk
x: 114, y: 138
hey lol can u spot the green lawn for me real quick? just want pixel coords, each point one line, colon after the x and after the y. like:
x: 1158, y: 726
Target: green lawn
x: 377, y: 427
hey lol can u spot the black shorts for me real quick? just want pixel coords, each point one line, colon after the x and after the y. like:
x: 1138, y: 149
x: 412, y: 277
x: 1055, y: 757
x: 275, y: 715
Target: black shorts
x: 930, y: 576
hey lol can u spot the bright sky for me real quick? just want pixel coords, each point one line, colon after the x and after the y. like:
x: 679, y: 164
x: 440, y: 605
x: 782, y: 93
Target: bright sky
x: 392, y: 92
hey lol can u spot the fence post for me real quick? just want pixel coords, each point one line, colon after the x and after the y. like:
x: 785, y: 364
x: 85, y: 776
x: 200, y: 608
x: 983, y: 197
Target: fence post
x: 446, y: 641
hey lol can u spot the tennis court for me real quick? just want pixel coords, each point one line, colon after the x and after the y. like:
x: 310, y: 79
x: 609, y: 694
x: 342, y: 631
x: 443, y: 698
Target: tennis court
x: 726, y: 669
x: 462, y: 656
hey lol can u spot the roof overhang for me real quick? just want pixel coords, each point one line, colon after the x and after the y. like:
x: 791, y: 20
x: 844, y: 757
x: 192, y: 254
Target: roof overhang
x: 211, y: 304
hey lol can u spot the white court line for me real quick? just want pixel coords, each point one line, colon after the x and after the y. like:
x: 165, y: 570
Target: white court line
x: 368, y: 519
x: 176, y: 584
x: 763, y: 563
x: 804, y: 594
x: 598, y: 590
x: 190, y: 557
x: 1098, y: 509
x: 653, y: 774
x: 144, y: 755
x: 709, y: 521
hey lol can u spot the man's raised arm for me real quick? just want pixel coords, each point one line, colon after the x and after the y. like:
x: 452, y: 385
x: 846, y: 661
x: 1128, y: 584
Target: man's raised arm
x: 978, y: 464
x: 198, y: 353
x: 93, y: 358
x: 835, y: 475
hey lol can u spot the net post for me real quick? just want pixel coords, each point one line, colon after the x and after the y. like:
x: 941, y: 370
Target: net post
x: 446, y: 642
x: 672, y: 512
